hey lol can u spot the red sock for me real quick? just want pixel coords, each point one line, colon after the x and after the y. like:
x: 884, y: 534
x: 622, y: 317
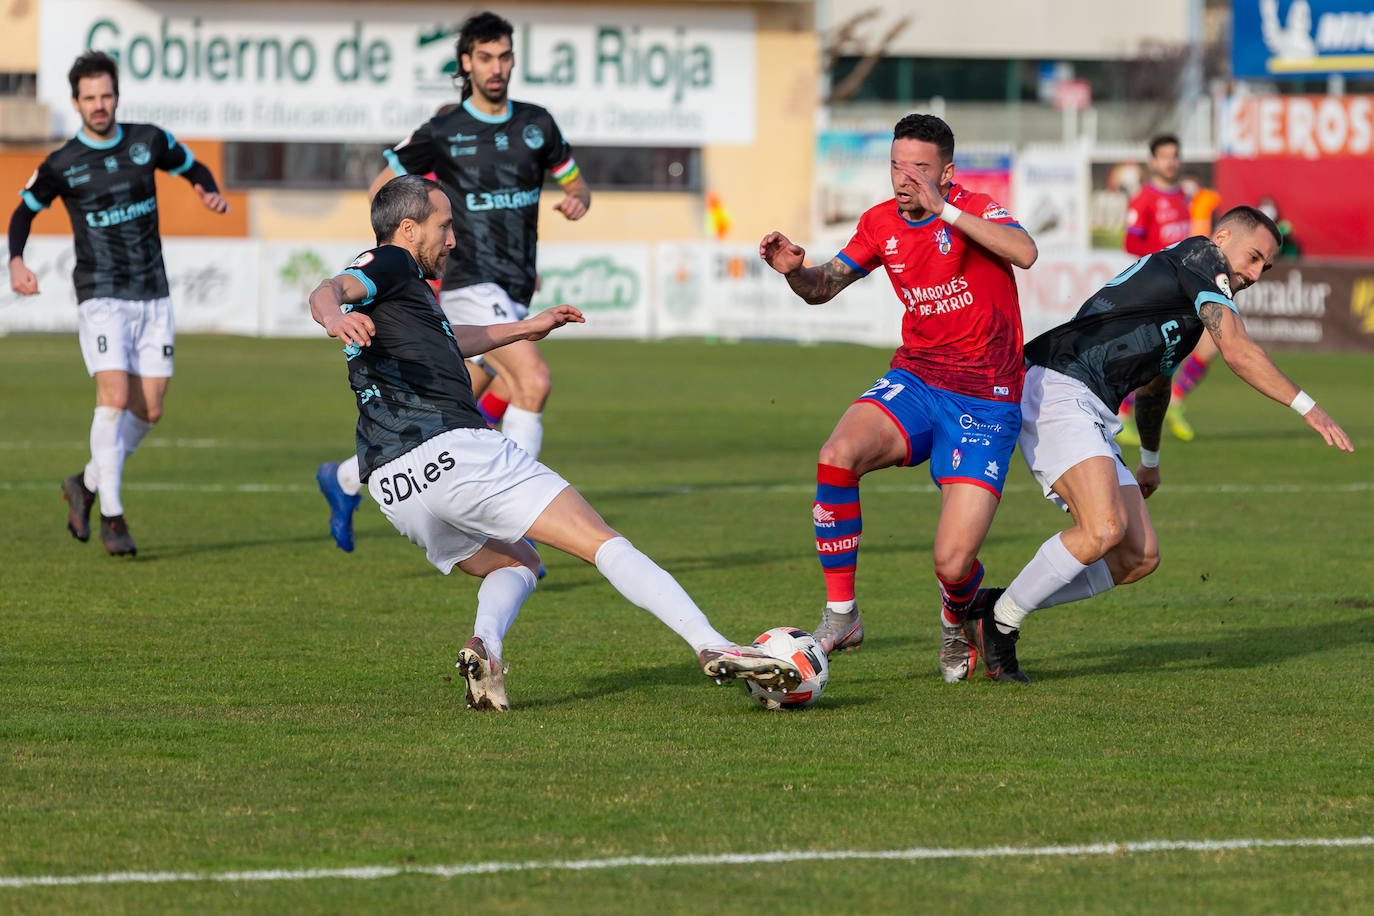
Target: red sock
x: 838, y: 529
x: 493, y: 408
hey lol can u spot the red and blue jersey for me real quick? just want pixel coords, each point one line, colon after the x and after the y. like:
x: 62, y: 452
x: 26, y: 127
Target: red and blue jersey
x: 1156, y: 219
x: 962, y: 327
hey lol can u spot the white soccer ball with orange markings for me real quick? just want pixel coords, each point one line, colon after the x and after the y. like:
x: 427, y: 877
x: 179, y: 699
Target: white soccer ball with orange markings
x: 801, y: 649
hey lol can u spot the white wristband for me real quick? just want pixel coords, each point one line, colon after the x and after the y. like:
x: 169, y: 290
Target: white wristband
x: 950, y: 213
x: 1302, y: 402
x: 1149, y: 459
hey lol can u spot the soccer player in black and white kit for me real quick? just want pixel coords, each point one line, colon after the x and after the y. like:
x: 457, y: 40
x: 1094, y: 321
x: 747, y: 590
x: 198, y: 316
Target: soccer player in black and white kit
x: 465, y: 492
x: 105, y: 177
x: 490, y: 154
x: 1132, y: 334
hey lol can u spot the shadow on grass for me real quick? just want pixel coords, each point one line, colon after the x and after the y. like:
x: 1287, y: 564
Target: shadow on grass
x: 1238, y: 648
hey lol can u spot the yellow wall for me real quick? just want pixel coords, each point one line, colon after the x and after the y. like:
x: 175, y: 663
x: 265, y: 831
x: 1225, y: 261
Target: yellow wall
x: 19, y: 35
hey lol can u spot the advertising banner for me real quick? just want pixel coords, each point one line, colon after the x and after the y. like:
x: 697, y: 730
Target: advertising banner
x: 1311, y: 306
x: 372, y: 71
x: 1051, y: 199
x: 609, y: 283
x: 1054, y: 289
x: 1297, y: 126
x: 1291, y: 39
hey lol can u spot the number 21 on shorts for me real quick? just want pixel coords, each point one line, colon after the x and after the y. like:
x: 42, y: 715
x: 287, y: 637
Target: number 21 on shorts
x: 889, y: 390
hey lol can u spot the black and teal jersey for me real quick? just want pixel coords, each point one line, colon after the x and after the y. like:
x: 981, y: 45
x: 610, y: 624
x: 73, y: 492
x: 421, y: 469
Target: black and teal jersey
x: 1143, y: 323
x: 410, y: 382
x: 110, y: 192
x: 492, y: 169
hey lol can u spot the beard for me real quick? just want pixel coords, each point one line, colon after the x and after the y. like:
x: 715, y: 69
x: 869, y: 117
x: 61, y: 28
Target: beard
x: 431, y: 268
x: 487, y: 95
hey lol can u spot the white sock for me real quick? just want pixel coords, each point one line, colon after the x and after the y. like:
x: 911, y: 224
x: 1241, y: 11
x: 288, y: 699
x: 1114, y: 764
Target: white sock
x: 132, y: 429
x: 108, y: 457
x: 498, y: 602
x: 1052, y: 568
x: 648, y: 586
x: 841, y: 607
x: 1094, y: 580
x: 524, y: 428
x: 349, y: 481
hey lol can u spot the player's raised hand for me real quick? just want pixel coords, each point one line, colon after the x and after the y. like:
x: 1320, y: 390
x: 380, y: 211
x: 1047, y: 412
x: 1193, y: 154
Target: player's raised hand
x: 22, y: 280
x: 212, y: 200
x: 1319, y: 420
x: 926, y: 191
x: 549, y: 319
x: 780, y: 253
x: 573, y: 208
x: 351, y: 328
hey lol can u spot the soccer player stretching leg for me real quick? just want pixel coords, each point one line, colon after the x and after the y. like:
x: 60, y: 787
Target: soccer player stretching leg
x: 1130, y: 335
x: 105, y: 177
x: 461, y: 490
x: 952, y: 396
x: 491, y: 154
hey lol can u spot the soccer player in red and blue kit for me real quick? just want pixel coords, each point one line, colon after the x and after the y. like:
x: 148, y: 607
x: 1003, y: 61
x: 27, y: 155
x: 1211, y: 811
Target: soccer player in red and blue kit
x: 952, y: 395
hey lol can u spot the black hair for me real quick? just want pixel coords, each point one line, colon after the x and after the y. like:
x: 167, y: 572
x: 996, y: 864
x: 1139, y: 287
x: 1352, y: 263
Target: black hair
x: 928, y: 129
x: 481, y: 27
x: 403, y: 197
x: 93, y: 63
x: 1163, y: 140
x: 1247, y: 218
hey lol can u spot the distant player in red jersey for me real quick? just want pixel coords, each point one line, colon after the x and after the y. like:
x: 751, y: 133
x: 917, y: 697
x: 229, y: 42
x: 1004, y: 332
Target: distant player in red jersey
x: 953, y: 393
x: 1159, y: 216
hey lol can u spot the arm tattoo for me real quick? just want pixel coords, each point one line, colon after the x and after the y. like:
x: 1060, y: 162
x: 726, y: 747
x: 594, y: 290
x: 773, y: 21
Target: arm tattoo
x: 1151, y: 401
x: 1211, y: 315
x: 820, y: 284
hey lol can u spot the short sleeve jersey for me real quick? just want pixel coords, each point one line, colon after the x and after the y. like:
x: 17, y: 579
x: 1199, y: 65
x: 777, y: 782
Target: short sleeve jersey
x: 110, y: 192
x: 410, y: 382
x: 1143, y: 323
x: 492, y: 169
x: 962, y: 327
x: 1156, y: 219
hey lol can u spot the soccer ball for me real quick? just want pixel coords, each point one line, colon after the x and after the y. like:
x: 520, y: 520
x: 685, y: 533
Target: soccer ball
x: 801, y: 649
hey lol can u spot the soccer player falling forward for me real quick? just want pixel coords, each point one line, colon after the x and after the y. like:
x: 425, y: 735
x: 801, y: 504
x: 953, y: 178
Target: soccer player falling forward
x: 464, y: 492
x: 490, y: 153
x: 1130, y: 335
x: 953, y: 393
x: 105, y: 177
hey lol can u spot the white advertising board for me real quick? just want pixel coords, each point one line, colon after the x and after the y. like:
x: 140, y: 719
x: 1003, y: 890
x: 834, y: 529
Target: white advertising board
x: 373, y: 71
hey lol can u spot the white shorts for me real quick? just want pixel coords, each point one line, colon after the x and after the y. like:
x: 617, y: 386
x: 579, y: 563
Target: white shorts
x: 134, y: 336
x: 1062, y: 424
x: 455, y: 491
x: 481, y: 304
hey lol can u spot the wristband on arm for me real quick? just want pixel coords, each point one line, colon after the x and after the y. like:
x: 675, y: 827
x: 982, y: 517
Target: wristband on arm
x: 1302, y: 402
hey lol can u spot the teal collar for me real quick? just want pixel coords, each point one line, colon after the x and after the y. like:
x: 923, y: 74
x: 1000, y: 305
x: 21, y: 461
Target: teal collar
x: 102, y: 144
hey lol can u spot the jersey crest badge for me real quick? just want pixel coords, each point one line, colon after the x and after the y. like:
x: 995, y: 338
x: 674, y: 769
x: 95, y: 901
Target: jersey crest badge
x: 140, y: 154
x: 942, y: 239
x: 363, y: 259
x: 958, y: 457
x: 533, y: 136
x: 1224, y: 284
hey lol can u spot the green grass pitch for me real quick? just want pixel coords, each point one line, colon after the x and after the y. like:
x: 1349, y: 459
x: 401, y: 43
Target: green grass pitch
x: 243, y: 696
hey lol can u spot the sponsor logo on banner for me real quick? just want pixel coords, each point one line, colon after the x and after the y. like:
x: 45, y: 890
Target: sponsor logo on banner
x: 1306, y: 126
x: 1298, y: 38
x: 596, y: 284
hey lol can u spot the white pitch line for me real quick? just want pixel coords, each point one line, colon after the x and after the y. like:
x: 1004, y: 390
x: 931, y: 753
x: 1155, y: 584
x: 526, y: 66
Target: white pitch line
x: 373, y: 872
x: 1359, y: 486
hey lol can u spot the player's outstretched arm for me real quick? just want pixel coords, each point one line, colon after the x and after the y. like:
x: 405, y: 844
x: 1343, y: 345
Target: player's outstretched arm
x: 813, y: 284
x: 474, y: 340
x: 326, y: 307
x: 22, y: 280
x: 1249, y: 361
